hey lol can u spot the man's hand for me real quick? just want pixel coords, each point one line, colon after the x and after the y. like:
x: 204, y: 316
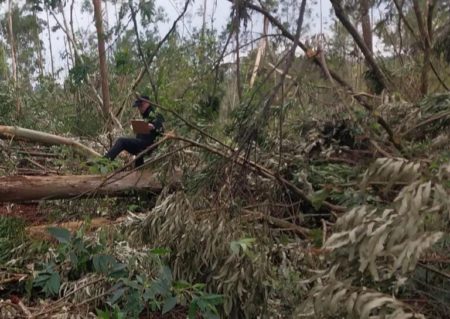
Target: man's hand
x: 151, y: 126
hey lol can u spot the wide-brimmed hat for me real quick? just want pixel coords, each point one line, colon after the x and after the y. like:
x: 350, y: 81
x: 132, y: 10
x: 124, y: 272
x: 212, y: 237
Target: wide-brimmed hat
x: 140, y: 99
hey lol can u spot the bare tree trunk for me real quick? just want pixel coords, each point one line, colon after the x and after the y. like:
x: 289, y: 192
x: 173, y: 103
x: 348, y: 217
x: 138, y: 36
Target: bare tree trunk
x: 45, y: 138
x: 260, y: 53
x: 70, y: 36
x: 71, y: 40
x: 205, y: 2
x: 103, y: 62
x: 50, y: 43
x: 26, y: 188
x: 366, y: 104
x: 426, y: 34
x: 68, y: 53
x: 365, y: 22
x: 238, y: 69
x: 13, y: 53
x: 12, y: 43
x: 426, y: 48
x: 370, y: 60
x: 38, y: 45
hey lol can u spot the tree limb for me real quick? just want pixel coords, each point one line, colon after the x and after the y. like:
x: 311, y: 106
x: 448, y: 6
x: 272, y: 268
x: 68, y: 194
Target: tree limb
x: 361, y: 100
x: 150, y: 59
x: 46, y: 138
x: 360, y: 42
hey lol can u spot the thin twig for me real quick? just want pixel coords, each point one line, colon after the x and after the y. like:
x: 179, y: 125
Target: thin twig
x: 303, y: 232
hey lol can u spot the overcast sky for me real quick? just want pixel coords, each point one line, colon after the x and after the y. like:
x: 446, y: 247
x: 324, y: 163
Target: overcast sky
x: 218, y: 11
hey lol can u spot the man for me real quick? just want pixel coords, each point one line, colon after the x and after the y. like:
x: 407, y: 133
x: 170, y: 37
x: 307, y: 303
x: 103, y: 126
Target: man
x: 141, y: 141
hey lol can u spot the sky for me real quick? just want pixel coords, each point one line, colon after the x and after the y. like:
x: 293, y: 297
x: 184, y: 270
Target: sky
x: 218, y: 12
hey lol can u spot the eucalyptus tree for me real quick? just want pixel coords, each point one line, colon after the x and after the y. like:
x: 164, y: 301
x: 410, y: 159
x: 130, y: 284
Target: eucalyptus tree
x: 102, y: 61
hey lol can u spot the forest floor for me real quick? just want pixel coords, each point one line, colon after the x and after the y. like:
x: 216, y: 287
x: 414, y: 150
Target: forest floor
x: 29, y: 213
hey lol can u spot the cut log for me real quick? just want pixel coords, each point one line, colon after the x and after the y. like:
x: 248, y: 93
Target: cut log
x: 45, y: 138
x: 26, y: 188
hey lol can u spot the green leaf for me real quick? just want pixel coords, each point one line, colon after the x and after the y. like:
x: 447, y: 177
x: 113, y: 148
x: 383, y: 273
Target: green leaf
x: 181, y: 284
x: 102, y: 314
x: 160, y: 251
x: 213, y: 299
x: 243, y: 243
x: 166, y: 274
x: 103, y: 169
x: 169, y: 304
x: 192, y: 313
x: 118, y: 270
x: 235, y: 247
x: 317, y: 198
x: 116, y: 296
x: 61, y: 234
x: 51, y: 287
x: 103, y: 263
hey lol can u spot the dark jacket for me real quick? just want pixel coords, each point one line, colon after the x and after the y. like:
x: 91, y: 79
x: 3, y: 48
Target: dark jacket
x: 158, y: 122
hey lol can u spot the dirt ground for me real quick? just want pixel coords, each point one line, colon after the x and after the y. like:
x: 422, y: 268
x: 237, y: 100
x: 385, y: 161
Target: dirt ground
x: 30, y: 213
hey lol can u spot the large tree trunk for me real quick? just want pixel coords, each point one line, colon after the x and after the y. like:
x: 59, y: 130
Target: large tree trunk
x: 26, y: 188
x: 50, y: 43
x: 365, y: 23
x: 370, y: 60
x: 261, y: 48
x: 102, y: 59
x: 426, y: 29
x: 45, y: 138
x: 38, y: 45
x: 12, y: 43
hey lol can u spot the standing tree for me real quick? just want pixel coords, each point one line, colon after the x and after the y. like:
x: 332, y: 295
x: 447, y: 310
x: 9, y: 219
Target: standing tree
x: 103, y: 64
x: 12, y: 44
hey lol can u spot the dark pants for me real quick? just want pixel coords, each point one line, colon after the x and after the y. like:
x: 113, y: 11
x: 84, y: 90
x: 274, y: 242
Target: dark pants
x: 131, y: 145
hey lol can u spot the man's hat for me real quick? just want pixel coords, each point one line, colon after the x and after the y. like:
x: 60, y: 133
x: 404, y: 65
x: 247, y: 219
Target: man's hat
x: 141, y: 98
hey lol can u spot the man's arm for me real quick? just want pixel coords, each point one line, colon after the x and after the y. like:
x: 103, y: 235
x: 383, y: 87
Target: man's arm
x: 158, y: 123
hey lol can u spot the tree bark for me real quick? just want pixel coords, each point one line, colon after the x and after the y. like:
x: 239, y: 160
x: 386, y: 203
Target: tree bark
x: 103, y: 63
x: 26, y: 188
x: 73, y: 48
x: 365, y: 22
x: 12, y: 42
x: 370, y: 60
x: 50, y: 43
x: 45, y: 138
x: 426, y: 44
x: 148, y: 63
x: 38, y: 45
x: 261, y: 48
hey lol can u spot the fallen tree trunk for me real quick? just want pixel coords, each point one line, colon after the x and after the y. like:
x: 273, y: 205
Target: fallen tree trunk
x: 45, y: 138
x: 26, y: 188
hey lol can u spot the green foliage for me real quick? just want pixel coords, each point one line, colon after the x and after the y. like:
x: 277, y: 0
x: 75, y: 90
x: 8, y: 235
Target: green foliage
x: 7, y: 109
x: 102, y: 165
x: 130, y: 293
x: 48, y: 280
x: 243, y: 245
x: 161, y: 293
x: 114, y: 313
x: 82, y: 255
x: 12, y: 236
x: 61, y: 234
x: 80, y: 72
x: 123, y: 61
x: 437, y: 105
